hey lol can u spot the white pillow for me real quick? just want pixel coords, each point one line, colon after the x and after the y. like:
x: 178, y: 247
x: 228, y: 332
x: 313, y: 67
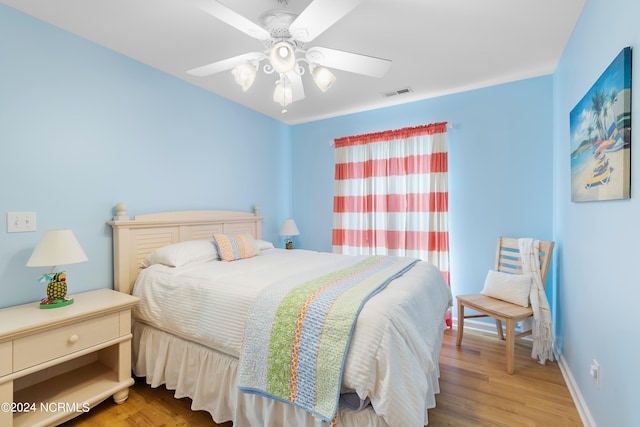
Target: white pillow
x: 263, y: 244
x: 513, y: 288
x: 179, y: 254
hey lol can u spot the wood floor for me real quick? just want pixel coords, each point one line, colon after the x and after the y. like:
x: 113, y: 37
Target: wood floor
x: 475, y: 391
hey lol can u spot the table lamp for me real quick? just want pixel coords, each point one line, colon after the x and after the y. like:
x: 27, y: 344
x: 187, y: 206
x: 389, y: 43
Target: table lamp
x: 56, y: 247
x: 289, y: 229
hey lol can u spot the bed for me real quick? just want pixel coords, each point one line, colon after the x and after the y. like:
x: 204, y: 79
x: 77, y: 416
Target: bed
x: 190, y: 338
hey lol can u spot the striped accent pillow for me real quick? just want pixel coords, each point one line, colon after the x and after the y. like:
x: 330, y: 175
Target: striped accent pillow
x: 232, y: 247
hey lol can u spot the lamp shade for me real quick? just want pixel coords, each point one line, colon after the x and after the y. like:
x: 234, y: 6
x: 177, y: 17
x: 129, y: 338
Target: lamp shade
x: 245, y: 75
x: 283, y: 57
x: 322, y: 77
x: 283, y: 93
x: 289, y: 228
x: 57, y: 247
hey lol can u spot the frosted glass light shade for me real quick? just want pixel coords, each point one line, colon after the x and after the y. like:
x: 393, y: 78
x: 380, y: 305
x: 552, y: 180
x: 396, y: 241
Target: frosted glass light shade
x: 245, y: 75
x: 57, y: 247
x: 289, y: 228
x: 283, y: 93
x: 323, y: 78
x: 282, y: 57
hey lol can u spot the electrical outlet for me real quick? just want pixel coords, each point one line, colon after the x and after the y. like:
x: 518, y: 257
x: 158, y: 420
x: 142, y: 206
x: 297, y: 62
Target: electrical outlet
x: 20, y: 222
x: 595, y: 372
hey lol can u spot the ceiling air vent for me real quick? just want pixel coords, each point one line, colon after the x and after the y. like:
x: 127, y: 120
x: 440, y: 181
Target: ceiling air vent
x: 397, y: 92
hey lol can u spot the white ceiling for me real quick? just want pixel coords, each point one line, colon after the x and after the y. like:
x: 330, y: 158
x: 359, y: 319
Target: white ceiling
x: 438, y: 47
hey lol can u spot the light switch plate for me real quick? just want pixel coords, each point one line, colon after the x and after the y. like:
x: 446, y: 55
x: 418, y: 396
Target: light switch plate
x: 21, y: 222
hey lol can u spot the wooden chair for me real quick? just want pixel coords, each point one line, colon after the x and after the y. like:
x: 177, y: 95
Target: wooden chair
x: 507, y: 260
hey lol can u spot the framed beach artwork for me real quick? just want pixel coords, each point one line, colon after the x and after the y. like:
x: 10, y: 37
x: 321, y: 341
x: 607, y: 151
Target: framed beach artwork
x: 600, y: 126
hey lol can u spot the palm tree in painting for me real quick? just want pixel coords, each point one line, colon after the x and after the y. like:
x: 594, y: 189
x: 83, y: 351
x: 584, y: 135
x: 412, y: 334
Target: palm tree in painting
x: 597, y: 101
x: 613, y: 98
x: 607, y: 112
x: 590, y: 130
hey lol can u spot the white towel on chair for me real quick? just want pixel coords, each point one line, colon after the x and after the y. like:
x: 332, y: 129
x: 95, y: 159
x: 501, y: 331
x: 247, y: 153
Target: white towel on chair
x: 542, y: 330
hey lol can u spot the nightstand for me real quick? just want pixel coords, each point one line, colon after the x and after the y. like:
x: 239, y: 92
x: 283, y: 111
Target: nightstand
x: 56, y: 364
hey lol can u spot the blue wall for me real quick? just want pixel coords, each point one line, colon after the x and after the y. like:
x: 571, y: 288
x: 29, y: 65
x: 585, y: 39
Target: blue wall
x: 598, y: 253
x: 500, y: 163
x: 83, y: 128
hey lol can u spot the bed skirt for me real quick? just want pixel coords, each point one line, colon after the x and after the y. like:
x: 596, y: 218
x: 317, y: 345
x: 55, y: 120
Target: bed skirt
x: 208, y: 378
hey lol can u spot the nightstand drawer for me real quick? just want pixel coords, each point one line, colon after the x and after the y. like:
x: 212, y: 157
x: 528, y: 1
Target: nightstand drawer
x: 47, y: 345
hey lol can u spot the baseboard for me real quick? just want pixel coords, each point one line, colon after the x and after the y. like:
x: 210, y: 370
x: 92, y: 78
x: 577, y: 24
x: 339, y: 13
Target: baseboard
x: 476, y: 325
x: 490, y: 328
x: 581, y: 405
x: 578, y: 400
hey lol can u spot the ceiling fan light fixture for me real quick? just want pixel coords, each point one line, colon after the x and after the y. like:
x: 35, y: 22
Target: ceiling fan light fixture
x: 322, y: 77
x: 282, y: 57
x: 245, y: 75
x: 284, y: 35
x: 283, y: 94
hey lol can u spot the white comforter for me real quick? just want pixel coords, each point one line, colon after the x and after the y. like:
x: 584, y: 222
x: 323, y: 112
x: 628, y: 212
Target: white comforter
x: 395, y: 345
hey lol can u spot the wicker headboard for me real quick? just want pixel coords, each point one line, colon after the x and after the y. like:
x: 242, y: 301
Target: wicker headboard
x: 134, y: 239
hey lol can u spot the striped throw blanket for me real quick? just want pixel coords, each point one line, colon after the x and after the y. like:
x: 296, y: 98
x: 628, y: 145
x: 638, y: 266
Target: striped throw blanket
x: 297, y: 335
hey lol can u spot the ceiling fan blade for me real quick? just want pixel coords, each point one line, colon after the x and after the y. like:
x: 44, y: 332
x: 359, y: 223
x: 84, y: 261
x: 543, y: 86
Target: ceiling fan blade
x: 234, y: 19
x: 318, y: 16
x: 347, y: 61
x: 297, y: 88
x: 225, y: 64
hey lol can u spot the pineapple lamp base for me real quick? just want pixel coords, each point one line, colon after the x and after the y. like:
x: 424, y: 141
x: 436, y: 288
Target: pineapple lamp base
x: 56, y: 291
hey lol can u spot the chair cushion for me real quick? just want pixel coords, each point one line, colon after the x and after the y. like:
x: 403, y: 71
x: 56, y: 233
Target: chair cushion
x: 513, y: 288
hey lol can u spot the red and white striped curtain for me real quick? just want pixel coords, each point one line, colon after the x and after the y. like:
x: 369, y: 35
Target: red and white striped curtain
x: 391, y: 194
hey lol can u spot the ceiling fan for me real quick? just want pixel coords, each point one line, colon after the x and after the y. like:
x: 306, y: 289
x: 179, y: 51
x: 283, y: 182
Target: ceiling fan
x: 285, y: 36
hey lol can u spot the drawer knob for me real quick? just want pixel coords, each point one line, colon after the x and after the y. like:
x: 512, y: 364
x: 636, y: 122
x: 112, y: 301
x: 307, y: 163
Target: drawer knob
x: 73, y: 338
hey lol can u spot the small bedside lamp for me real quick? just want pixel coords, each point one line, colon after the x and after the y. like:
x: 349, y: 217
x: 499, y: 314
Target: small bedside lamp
x: 289, y: 229
x: 56, y: 247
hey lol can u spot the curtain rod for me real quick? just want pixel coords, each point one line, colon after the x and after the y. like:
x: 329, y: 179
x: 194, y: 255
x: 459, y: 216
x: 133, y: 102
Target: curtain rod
x: 449, y: 126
